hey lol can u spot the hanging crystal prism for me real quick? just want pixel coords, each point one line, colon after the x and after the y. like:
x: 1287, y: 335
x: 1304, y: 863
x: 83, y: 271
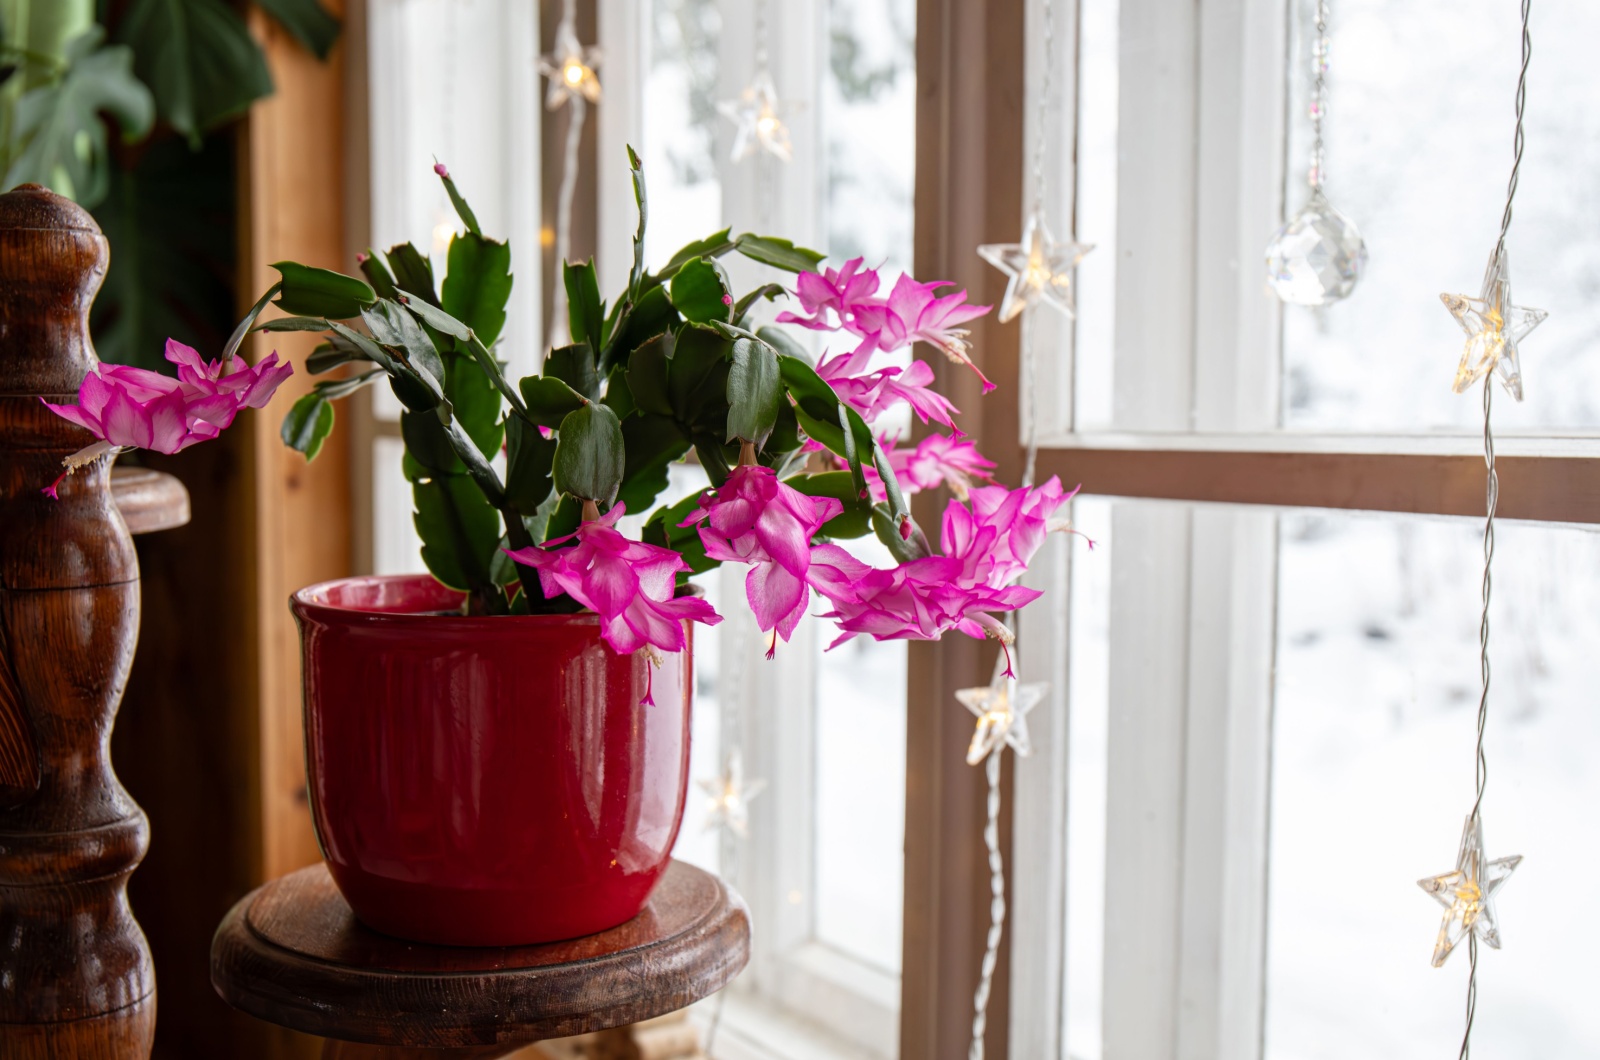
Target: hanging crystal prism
x: 1318, y: 256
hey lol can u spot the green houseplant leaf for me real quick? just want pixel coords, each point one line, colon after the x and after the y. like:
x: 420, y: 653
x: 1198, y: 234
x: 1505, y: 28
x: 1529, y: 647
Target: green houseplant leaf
x: 63, y: 141
x: 779, y: 253
x: 308, y: 21
x: 308, y: 424
x: 754, y: 390
x: 478, y: 285
x: 313, y: 292
x: 199, y: 60
x: 589, y: 460
x: 701, y: 291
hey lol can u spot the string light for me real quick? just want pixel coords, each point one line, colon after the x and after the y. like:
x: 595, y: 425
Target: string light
x: 1467, y: 893
x: 1494, y: 326
x: 757, y: 113
x: 730, y: 796
x: 570, y: 69
x: 569, y: 66
x: 1040, y: 267
x: 1001, y: 708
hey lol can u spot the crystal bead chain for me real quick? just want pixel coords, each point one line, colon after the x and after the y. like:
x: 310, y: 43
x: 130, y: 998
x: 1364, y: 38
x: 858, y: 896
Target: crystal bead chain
x: 1319, y: 96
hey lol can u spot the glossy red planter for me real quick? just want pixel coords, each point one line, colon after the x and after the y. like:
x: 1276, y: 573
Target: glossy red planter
x: 486, y: 781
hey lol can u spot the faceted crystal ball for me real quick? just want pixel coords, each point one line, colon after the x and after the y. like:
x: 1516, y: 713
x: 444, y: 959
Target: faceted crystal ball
x: 1317, y: 258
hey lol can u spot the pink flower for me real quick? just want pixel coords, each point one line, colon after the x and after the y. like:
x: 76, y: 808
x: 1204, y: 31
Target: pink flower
x: 873, y: 393
x: 833, y: 297
x: 987, y: 545
x: 920, y: 600
x: 996, y: 534
x: 133, y: 408
x: 936, y: 460
x: 629, y: 584
x: 758, y: 520
x: 913, y: 313
x: 439, y: 168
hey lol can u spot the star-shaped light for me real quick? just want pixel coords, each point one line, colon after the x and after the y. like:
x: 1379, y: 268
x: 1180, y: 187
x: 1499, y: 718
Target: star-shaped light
x: 758, y: 121
x: 1040, y: 268
x: 1001, y: 708
x: 570, y: 68
x: 1467, y: 893
x: 1494, y: 327
x: 730, y: 794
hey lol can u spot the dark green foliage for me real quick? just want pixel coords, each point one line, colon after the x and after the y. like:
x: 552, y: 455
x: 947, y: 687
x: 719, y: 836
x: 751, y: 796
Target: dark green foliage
x: 673, y: 369
x: 169, y: 221
x: 56, y: 131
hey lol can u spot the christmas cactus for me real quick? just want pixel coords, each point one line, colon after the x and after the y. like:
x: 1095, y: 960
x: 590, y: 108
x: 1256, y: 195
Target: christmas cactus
x: 675, y: 366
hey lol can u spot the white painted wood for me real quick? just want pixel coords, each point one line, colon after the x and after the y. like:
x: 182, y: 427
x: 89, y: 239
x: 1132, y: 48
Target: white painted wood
x: 1552, y: 446
x: 1146, y: 780
x: 1037, y: 873
x: 1156, y: 146
x: 1239, y: 191
x: 1232, y: 589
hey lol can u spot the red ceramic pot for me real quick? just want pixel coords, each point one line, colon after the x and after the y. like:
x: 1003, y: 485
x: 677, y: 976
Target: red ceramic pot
x: 488, y: 781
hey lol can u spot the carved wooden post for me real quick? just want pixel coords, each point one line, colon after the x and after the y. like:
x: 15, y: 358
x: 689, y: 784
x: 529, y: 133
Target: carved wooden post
x: 75, y: 973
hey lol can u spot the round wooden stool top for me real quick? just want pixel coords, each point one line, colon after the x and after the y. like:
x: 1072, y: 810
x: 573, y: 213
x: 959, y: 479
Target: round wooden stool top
x: 292, y: 953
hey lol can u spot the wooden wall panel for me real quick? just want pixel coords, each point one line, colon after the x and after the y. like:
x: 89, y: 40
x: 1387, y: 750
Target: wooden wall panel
x: 970, y: 95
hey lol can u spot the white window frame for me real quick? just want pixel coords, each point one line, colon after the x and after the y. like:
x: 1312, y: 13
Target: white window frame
x: 1200, y: 171
x: 1196, y: 386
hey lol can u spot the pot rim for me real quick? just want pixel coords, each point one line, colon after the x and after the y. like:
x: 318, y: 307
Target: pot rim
x: 312, y: 603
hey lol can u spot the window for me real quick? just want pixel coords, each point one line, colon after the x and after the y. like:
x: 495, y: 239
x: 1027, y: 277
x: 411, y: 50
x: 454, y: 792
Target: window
x: 1260, y: 731
x: 822, y: 867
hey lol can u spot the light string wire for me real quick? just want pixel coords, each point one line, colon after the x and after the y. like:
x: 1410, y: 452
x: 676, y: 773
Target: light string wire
x: 576, y: 113
x: 991, y: 824
x: 1491, y: 503
x: 1319, y: 96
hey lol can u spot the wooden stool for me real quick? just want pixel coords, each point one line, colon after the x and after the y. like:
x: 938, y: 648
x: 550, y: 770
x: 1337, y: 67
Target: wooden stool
x: 292, y: 953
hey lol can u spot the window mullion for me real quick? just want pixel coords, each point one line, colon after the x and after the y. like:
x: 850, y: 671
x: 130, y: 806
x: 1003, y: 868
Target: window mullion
x: 1156, y: 132
x: 1231, y: 610
x: 1239, y: 193
x: 1149, y: 638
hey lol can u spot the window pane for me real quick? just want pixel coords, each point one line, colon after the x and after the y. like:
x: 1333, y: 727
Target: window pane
x: 1377, y: 686
x: 861, y: 780
x: 680, y: 105
x: 869, y: 102
x: 1419, y: 148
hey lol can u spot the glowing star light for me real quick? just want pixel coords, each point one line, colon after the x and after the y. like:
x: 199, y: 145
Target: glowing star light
x: 1001, y: 708
x: 570, y: 68
x: 1040, y: 268
x: 730, y: 794
x: 1494, y: 327
x: 756, y: 117
x: 1467, y: 893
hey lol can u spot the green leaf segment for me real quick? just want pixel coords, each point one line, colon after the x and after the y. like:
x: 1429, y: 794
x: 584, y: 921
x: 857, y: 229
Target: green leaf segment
x: 669, y: 370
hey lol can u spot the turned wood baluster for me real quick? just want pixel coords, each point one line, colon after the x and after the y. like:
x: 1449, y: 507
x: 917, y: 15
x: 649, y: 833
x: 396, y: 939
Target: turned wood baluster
x: 75, y: 972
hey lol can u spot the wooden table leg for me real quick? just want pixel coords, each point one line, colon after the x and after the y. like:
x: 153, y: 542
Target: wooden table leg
x: 336, y: 1050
